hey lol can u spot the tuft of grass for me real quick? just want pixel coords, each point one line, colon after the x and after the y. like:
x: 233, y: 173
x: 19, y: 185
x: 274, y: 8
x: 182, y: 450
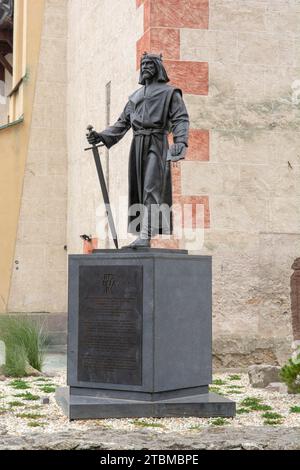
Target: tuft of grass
x: 273, y: 418
x: 24, y: 342
x: 28, y: 396
x: 215, y: 390
x: 272, y: 415
x: 48, y: 389
x: 218, y: 382
x: 35, y: 424
x: 41, y: 379
x: 272, y: 422
x: 235, y: 387
x: 30, y: 415
x: 15, y: 360
x: 19, y: 384
x: 241, y: 411
x: 261, y: 407
x: 195, y: 427
x: 2, y: 410
x: 16, y: 403
x: 295, y: 409
x: 140, y: 422
x: 234, y: 377
x: 254, y: 404
x: 219, y: 421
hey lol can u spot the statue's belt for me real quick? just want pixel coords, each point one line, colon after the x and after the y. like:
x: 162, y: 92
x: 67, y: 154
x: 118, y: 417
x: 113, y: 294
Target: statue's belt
x: 149, y: 131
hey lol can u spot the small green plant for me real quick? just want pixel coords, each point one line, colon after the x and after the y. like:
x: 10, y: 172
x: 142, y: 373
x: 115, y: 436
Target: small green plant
x: 48, y: 389
x: 261, y: 407
x: 19, y: 384
x: 272, y: 415
x: 2, y: 410
x: 140, y: 422
x: 30, y: 415
x: 41, y: 379
x: 241, y: 411
x: 35, y: 424
x: 235, y: 387
x: 290, y: 374
x: 16, y: 403
x: 295, y: 409
x: 272, y: 422
x: 234, y: 377
x: 195, y: 427
x: 24, y: 342
x: 250, y: 401
x: 218, y: 382
x: 254, y: 404
x: 272, y: 419
x: 27, y: 396
x: 219, y: 421
x: 215, y: 390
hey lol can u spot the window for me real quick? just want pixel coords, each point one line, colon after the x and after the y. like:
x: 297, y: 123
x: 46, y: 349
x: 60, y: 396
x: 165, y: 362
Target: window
x: 12, y: 58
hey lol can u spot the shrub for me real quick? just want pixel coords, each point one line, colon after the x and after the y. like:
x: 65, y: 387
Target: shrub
x: 24, y: 340
x: 290, y: 374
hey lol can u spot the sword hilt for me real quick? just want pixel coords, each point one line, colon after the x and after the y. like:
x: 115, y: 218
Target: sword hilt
x: 90, y: 128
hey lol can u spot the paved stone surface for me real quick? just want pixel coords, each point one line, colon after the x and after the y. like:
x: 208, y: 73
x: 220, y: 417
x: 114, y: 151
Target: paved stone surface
x: 250, y: 438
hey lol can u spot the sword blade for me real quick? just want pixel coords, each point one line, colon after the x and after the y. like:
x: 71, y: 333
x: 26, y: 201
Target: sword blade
x: 105, y: 195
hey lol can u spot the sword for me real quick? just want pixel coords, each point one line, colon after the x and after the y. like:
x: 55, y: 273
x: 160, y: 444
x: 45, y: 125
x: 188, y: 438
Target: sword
x: 102, y: 182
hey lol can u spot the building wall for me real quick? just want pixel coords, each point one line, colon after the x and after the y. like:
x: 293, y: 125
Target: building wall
x: 39, y: 276
x: 252, y: 176
x: 14, y: 141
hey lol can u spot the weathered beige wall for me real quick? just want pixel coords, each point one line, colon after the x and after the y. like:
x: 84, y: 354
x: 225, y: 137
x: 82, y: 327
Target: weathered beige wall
x: 253, y: 175
x: 101, y: 48
x: 14, y: 142
x: 39, y: 278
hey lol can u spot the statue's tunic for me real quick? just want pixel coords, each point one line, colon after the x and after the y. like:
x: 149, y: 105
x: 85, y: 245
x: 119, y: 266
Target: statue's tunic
x: 152, y: 112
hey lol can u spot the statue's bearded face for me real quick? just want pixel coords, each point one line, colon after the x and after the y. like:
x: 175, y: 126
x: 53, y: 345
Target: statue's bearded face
x: 148, y: 69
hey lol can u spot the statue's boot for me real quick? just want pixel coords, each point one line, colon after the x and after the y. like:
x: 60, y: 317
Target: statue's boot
x: 144, y: 239
x: 140, y: 243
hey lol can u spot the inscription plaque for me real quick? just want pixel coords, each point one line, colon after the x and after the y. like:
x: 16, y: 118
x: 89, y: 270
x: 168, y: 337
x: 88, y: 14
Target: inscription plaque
x: 110, y: 324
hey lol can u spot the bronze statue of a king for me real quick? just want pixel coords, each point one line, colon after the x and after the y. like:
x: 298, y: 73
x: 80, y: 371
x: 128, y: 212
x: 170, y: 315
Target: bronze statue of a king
x: 152, y: 111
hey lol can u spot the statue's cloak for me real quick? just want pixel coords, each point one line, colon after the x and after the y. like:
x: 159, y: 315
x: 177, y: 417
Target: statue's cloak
x: 152, y: 112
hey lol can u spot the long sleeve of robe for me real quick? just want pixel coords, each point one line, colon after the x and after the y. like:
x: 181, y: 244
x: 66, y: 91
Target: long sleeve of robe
x: 178, y: 119
x: 112, y: 134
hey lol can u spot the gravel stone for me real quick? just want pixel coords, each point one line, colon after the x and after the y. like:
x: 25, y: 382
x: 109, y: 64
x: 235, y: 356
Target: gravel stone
x: 245, y: 431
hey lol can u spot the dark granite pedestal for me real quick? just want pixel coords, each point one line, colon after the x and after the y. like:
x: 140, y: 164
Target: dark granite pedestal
x: 139, y: 336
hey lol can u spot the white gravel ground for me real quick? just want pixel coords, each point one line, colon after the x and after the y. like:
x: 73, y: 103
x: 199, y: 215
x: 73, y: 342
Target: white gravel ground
x: 52, y: 420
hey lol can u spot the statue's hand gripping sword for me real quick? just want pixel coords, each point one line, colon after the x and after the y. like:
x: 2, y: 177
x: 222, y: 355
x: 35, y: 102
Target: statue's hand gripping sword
x: 102, y: 182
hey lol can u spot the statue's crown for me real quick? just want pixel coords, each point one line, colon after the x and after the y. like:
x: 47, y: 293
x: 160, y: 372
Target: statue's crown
x: 152, y: 56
